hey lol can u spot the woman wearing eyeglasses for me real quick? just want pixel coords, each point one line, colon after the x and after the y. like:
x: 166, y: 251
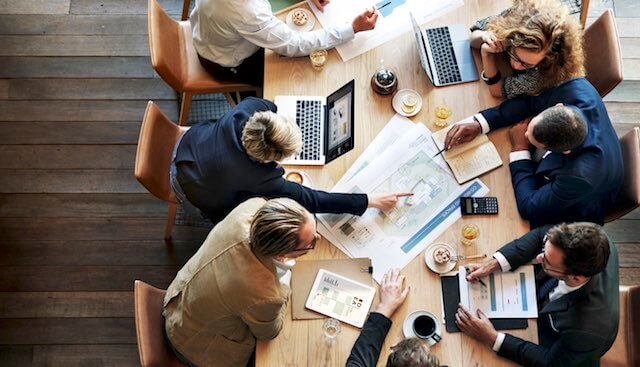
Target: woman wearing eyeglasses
x: 540, y: 42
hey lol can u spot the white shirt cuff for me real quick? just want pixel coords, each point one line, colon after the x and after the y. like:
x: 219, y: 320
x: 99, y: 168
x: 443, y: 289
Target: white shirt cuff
x: 346, y: 32
x: 498, y: 343
x: 519, y: 155
x: 504, y: 264
x: 483, y: 123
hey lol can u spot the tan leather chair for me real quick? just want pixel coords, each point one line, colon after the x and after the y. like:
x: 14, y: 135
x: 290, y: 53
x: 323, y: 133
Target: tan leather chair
x: 629, y: 197
x: 158, y: 137
x: 603, y: 55
x: 174, y: 58
x: 152, y: 346
x: 625, y: 351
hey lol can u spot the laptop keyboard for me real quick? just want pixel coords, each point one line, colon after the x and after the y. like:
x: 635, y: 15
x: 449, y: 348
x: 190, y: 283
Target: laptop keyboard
x: 308, y: 117
x: 443, y: 56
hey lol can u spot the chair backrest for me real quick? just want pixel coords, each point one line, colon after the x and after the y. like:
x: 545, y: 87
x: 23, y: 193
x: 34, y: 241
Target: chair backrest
x: 152, y: 347
x: 158, y: 137
x: 603, y: 55
x: 629, y: 197
x: 166, y: 46
x: 625, y: 351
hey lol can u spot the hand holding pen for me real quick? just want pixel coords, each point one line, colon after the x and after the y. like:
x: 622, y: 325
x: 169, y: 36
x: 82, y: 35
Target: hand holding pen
x: 471, y: 279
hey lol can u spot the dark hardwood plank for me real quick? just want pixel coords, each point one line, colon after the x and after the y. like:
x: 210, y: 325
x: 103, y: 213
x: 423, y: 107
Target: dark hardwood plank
x: 81, y: 110
x: 73, y: 24
x: 67, y: 156
x: 18, y: 305
x: 34, y: 7
x: 620, y: 112
x: 80, y: 89
x: 91, y: 278
x: 629, y: 254
x: 133, y: 45
x: 91, y: 252
x: 104, y: 355
x: 76, y: 67
x: 627, y: 91
x: 173, y: 7
x: 71, y: 132
x: 99, y: 229
x: 73, y: 205
x: 68, y: 331
x: 4, y: 89
x: 623, y: 231
x: 630, y: 276
x: 16, y: 355
x: 69, y: 181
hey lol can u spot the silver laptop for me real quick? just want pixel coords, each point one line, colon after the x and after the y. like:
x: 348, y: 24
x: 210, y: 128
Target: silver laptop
x: 445, y: 54
x: 327, y: 124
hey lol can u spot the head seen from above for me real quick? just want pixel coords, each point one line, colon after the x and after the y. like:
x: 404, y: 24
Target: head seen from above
x: 269, y: 137
x: 283, y: 228
x: 574, y: 252
x: 412, y: 352
x: 558, y: 129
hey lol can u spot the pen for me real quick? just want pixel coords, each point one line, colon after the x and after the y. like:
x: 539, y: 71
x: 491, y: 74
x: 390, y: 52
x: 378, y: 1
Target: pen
x: 440, y: 152
x: 479, y: 280
x: 383, y: 5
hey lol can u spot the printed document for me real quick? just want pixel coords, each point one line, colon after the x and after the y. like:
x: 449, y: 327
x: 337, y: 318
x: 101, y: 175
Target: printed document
x: 506, y: 295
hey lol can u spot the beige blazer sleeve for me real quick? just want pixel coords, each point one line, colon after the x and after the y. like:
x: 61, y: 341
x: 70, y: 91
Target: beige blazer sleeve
x: 265, y: 319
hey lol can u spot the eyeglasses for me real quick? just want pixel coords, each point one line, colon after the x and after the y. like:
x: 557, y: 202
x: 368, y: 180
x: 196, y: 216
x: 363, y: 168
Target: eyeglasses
x: 514, y: 57
x: 312, y: 245
x: 545, y: 263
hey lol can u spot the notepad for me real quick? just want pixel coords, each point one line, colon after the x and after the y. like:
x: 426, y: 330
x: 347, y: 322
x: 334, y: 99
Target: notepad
x: 341, y: 298
x: 470, y: 160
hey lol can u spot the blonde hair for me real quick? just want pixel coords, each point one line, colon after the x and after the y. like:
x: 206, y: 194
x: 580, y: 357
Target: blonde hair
x: 275, y: 229
x: 544, y: 25
x: 270, y: 137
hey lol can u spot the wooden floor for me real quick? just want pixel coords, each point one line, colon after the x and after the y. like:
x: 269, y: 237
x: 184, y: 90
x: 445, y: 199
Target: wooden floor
x: 75, y: 227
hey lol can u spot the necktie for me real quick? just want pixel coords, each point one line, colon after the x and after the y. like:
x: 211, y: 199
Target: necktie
x: 545, y: 288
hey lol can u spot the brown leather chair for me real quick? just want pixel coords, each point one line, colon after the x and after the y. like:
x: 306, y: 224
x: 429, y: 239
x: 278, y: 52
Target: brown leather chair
x: 174, y: 58
x: 629, y: 197
x: 152, y: 346
x: 603, y: 55
x: 158, y: 137
x: 625, y: 351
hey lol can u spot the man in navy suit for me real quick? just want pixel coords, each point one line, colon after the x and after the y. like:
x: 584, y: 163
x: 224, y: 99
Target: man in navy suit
x: 576, y: 170
x: 578, y: 296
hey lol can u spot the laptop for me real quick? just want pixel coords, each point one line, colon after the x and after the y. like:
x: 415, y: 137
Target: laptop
x: 327, y: 124
x: 445, y: 54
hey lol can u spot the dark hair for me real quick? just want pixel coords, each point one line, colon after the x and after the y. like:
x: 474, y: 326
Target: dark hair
x: 275, y: 228
x: 412, y: 352
x: 585, y: 247
x: 560, y: 128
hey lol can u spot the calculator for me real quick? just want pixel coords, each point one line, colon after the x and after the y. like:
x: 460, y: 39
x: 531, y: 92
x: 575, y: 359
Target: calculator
x: 479, y: 205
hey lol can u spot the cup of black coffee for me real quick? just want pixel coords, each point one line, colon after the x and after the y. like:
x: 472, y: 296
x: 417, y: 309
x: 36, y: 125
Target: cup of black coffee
x: 424, y: 326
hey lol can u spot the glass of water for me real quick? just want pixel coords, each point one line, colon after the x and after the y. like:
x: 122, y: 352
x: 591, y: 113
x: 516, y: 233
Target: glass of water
x: 331, y: 328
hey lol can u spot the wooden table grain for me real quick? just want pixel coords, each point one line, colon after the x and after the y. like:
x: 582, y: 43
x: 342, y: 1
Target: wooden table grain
x: 300, y: 342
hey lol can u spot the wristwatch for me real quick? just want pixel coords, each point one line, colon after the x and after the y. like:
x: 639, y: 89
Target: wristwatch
x: 493, y: 80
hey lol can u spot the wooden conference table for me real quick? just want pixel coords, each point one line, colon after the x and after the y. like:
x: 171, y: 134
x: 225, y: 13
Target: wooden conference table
x: 300, y: 342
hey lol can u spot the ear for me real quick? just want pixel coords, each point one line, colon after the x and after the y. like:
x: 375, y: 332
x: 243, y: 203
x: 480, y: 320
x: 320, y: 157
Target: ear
x: 566, y: 151
x: 559, y: 104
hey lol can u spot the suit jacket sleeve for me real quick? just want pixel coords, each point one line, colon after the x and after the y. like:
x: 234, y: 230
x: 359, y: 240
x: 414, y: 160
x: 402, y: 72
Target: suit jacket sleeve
x: 265, y: 319
x: 525, y: 248
x: 366, y: 350
x: 536, y: 202
x: 253, y: 104
x: 317, y: 201
x: 514, y: 110
x: 574, y: 348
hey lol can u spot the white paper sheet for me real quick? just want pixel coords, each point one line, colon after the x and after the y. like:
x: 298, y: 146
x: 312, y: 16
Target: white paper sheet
x: 393, y: 20
x: 506, y: 295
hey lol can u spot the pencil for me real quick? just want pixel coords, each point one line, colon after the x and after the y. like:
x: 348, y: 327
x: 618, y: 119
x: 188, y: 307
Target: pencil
x: 440, y: 152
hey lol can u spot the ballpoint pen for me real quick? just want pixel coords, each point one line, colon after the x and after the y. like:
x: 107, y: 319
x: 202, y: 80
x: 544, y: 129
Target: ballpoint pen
x: 479, y: 280
x: 383, y: 5
x: 440, y: 152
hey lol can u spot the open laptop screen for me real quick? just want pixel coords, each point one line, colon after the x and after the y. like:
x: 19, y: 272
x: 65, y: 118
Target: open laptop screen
x: 340, y: 122
x: 422, y: 46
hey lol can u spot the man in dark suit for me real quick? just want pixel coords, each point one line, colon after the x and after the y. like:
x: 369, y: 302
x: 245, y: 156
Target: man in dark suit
x: 218, y: 165
x: 575, y: 172
x: 578, y: 296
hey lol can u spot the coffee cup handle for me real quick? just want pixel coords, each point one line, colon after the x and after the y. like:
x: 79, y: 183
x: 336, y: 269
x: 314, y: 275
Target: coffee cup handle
x: 436, y: 337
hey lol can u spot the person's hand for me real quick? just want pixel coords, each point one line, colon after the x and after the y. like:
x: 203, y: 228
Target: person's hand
x: 392, y: 294
x: 462, y: 132
x: 477, y: 271
x: 476, y: 326
x: 490, y: 44
x: 365, y: 21
x: 386, y: 201
x: 320, y: 4
x: 516, y: 134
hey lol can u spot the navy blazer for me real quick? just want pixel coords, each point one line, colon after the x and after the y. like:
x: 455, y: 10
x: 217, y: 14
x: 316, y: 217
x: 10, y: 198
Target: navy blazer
x: 579, y: 186
x: 575, y: 329
x: 216, y: 174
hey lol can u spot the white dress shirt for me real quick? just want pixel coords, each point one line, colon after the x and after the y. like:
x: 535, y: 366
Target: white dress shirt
x: 228, y: 31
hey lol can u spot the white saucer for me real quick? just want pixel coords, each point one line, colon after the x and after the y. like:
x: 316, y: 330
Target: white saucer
x: 431, y: 263
x: 311, y: 21
x: 397, y: 102
x: 407, y: 326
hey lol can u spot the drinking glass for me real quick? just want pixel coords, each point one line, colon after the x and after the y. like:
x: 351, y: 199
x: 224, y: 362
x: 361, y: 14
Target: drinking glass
x: 331, y: 328
x: 318, y: 58
x: 469, y: 234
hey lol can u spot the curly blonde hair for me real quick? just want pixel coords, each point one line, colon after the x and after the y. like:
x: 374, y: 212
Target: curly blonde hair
x: 544, y: 25
x: 268, y: 137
